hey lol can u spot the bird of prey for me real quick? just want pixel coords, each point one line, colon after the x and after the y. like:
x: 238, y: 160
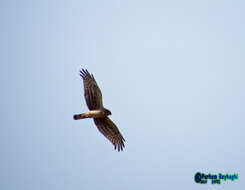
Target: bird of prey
x: 93, y: 97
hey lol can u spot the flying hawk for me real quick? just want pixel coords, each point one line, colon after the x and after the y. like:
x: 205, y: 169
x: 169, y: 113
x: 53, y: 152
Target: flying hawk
x: 93, y: 97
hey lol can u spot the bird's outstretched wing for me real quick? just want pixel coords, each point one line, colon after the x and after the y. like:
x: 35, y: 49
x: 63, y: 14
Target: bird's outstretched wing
x: 92, y: 92
x: 110, y: 131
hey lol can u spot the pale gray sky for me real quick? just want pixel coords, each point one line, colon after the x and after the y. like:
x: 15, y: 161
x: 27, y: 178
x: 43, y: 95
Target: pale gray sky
x: 171, y: 72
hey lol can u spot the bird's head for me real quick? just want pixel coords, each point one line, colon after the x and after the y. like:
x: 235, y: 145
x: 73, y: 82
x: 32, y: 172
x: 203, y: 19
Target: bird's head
x: 107, y: 112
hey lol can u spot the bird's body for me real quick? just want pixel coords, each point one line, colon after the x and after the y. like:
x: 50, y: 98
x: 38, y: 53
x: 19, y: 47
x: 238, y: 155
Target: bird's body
x: 90, y: 114
x: 93, y: 97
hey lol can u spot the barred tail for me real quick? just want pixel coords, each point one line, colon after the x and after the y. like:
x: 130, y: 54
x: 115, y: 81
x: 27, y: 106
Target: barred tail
x: 80, y: 116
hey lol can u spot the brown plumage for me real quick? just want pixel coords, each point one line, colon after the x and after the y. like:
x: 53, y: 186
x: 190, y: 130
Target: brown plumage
x: 93, y: 97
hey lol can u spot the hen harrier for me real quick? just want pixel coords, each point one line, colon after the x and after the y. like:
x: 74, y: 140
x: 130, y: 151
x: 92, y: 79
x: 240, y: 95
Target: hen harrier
x: 97, y: 111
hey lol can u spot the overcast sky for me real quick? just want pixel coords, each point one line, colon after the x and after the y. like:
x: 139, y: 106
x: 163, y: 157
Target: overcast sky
x: 171, y: 72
